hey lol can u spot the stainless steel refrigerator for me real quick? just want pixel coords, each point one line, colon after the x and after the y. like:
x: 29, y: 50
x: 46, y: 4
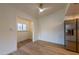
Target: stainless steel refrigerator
x: 71, y: 35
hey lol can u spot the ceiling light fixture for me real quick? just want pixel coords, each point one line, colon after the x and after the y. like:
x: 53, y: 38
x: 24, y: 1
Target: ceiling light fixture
x: 41, y: 9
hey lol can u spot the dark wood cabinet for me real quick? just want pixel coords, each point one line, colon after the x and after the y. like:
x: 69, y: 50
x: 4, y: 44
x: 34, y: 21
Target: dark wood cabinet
x: 71, y: 34
x: 77, y: 35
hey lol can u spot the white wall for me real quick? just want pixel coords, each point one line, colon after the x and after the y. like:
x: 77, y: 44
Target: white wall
x: 51, y: 27
x: 25, y: 34
x: 8, y: 32
x: 8, y: 37
x: 35, y: 29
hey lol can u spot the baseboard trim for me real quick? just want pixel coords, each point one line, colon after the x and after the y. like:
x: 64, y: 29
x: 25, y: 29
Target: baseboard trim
x: 61, y: 45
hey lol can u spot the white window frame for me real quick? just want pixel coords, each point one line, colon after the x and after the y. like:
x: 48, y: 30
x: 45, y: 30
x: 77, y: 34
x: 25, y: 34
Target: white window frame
x: 24, y: 27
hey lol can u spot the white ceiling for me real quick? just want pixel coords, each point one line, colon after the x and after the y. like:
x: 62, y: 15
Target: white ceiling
x: 73, y: 10
x: 32, y: 8
x: 52, y: 8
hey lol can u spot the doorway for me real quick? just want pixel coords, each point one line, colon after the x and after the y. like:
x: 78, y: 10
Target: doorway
x: 24, y: 31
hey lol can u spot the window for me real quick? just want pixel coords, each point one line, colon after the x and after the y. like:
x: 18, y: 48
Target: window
x: 22, y: 27
x: 19, y: 26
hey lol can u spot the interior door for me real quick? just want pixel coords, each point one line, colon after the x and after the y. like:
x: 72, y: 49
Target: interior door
x: 70, y: 35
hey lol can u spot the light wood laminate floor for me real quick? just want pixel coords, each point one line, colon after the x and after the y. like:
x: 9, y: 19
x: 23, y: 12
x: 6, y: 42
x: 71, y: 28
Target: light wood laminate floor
x: 42, y: 48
